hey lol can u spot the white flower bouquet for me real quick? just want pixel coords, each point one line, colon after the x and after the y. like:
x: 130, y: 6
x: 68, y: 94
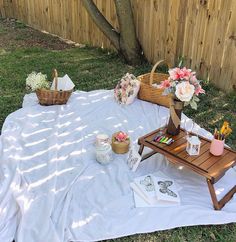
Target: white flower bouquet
x: 36, y: 81
x: 126, y: 89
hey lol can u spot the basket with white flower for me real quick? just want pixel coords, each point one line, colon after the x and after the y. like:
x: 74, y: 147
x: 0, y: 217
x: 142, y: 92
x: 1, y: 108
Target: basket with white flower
x: 184, y: 88
x: 37, y: 82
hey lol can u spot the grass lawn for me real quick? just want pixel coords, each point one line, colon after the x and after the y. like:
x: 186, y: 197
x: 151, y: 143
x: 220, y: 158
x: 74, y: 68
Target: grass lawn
x: 23, y: 50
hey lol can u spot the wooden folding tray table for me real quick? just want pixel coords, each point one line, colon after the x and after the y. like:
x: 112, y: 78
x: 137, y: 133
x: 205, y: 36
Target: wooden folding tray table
x: 205, y: 164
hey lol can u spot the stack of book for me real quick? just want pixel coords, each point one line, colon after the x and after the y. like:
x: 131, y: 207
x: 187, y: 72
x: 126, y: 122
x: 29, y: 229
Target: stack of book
x: 155, y: 191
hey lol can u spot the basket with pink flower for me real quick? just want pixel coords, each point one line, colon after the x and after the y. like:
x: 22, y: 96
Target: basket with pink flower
x: 120, y: 142
x: 184, y: 88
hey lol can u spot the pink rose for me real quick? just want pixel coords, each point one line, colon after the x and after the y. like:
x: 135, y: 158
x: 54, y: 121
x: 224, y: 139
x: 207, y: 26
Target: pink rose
x: 199, y: 90
x: 174, y: 73
x: 121, y: 136
x: 177, y: 73
x: 185, y: 73
x: 194, y: 80
x: 165, y: 84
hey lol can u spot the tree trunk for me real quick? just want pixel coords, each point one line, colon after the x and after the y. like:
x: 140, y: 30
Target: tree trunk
x: 125, y: 42
x: 129, y: 44
x: 102, y: 23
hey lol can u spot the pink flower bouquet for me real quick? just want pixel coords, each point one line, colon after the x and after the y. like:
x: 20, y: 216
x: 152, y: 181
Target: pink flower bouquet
x: 183, y: 85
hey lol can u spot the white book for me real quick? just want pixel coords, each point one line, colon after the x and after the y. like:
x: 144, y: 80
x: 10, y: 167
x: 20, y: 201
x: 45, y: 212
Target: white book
x: 166, y: 190
x: 155, y: 191
x: 144, y: 187
x: 138, y: 193
x: 141, y: 202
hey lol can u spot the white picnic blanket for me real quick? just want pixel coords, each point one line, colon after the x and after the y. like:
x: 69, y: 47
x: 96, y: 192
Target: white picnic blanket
x: 53, y: 190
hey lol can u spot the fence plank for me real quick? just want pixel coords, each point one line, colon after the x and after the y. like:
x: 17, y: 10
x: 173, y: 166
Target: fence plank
x: 228, y: 72
x: 219, y: 41
x: 2, y: 13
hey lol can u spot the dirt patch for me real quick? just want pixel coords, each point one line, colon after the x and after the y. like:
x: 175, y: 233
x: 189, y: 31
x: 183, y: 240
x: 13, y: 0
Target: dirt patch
x: 14, y: 34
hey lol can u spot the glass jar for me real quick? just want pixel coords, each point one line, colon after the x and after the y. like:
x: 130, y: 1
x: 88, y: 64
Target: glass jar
x: 104, y: 153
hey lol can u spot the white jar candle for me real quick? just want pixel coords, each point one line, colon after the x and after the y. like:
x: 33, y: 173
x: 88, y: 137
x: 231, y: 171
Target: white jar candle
x: 102, y: 139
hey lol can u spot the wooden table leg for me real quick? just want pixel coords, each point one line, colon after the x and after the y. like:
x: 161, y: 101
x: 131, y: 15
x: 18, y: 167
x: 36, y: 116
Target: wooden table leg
x: 146, y: 156
x: 213, y: 194
x: 219, y: 204
x: 140, y: 151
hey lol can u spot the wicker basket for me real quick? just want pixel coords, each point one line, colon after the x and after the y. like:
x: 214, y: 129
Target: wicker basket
x: 53, y: 97
x: 149, y: 93
x: 119, y: 147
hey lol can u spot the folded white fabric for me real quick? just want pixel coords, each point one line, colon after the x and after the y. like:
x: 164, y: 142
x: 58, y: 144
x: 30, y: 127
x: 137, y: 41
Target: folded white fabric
x: 52, y: 189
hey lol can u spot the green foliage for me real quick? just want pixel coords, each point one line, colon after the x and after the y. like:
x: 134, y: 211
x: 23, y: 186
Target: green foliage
x: 2, y: 30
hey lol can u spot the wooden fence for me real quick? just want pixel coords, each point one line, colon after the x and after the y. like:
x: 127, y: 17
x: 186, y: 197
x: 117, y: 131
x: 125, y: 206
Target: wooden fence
x: 202, y: 31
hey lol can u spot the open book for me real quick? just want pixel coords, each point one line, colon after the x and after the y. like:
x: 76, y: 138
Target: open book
x: 155, y: 190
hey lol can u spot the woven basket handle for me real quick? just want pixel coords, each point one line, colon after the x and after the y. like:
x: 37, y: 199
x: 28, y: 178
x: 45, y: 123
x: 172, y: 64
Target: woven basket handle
x: 55, y: 75
x: 154, y: 68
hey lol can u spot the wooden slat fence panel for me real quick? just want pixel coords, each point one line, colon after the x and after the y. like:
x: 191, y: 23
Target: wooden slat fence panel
x: 203, y: 32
